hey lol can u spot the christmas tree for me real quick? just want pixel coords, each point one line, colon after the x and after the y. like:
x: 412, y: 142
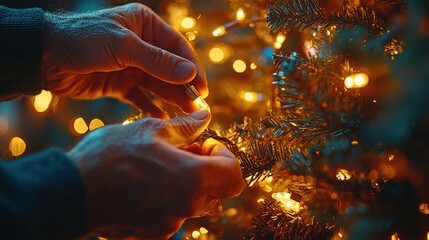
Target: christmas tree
x: 339, y: 150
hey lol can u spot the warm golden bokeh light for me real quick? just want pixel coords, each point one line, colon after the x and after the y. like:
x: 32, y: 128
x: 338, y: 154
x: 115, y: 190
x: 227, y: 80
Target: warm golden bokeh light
x: 277, y: 45
x: 239, y: 66
x: 357, y: 80
x: 219, y: 31
x: 203, y: 230
x: 42, y: 101
x: 253, y: 66
x: 343, y: 175
x: 216, y: 55
x: 17, y: 146
x: 286, y: 202
x: 188, y: 23
x: 280, y: 38
x: 240, y: 16
x: 196, y: 234
x: 95, y: 123
x: 395, y: 237
x: 80, y: 126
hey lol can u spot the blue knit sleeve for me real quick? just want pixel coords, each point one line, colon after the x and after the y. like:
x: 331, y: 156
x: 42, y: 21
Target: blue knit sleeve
x: 21, y: 39
x: 42, y: 197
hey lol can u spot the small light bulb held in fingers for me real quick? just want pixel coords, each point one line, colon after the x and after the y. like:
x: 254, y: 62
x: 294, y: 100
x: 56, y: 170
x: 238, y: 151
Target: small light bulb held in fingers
x: 199, y: 101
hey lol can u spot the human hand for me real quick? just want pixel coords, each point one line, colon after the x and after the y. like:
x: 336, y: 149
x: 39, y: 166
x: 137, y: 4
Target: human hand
x: 138, y: 178
x: 120, y: 52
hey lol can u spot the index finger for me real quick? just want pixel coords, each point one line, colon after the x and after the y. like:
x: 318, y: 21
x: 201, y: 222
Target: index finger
x: 162, y: 35
x: 223, y: 175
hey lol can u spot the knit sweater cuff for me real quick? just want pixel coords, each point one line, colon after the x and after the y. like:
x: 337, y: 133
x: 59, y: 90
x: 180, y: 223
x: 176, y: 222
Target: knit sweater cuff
x: 57, y: 194
x: 21, y: 36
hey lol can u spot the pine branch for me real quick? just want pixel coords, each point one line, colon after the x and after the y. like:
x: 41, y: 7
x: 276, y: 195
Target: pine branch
x: 272, y: 223
x: 285, y: 15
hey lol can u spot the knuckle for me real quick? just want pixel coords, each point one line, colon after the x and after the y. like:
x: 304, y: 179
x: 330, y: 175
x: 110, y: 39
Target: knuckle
x: 187, y: 128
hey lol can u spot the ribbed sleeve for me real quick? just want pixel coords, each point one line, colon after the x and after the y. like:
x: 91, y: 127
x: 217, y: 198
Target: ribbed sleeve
x: 21, y: 36
x: 42, y: 197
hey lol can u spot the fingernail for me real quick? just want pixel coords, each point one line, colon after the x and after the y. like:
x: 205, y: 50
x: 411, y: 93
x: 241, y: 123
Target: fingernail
x: 200, y: 115
x: 184, y: 70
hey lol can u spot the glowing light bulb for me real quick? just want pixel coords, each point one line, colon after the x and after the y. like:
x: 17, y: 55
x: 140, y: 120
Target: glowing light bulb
x: 357, y: 80
x: 193, y: 93
x: 240, y: 15
x: 191, y: 36
x: 216, y: 55
x: 95, y: 123
x: 188, y: 23
x: 201, y: 103
x: 80, y: 126
x: 17, y: 146
x: 343, y: 175
x: 42, y: 101
x: 284, y: 198
x: 219, y: 31
x: 239, y: 66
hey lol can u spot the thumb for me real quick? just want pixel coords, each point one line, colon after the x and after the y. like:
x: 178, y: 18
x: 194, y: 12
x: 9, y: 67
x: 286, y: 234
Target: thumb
x: 182, y: 131
x: 161, y: 63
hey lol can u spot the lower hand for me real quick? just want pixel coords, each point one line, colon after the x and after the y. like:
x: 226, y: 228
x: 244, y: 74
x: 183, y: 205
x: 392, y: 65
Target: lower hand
x: 139, y: 179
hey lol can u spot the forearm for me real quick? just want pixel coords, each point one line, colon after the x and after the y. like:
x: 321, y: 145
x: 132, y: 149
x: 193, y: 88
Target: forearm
x: 21, y: 37
x: 41, y: 197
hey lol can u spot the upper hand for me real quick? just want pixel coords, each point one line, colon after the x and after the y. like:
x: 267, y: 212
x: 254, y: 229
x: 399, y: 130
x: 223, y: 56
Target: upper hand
x: 120, y: 52
x: 147, y: 176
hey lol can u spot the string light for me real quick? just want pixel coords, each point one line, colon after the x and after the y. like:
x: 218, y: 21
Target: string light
x: 391, y: 157
x: 95, y: 123
x: 343, y: 175
x: 188, y: 23
x: 358, y: 80
x: 240, y: 16
x: 42, y: 101
x: 239, y: 66
x: 193, y: 93
x: 80, y: 126
x: 219, y: 31
x: 216, y: 55
x: 191, y: 36
x: 284, y: 198
x: 17, y: 146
